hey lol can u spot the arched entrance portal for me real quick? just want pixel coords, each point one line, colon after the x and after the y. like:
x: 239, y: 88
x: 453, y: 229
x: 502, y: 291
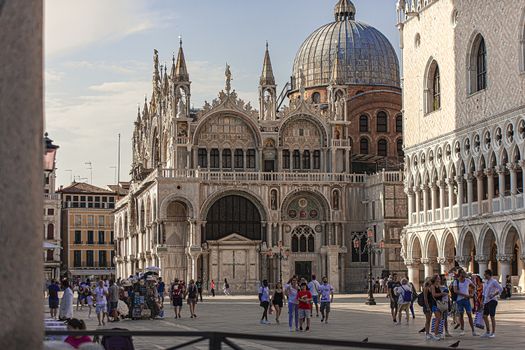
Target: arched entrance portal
x: 233, y: 234
x: 175, y: 237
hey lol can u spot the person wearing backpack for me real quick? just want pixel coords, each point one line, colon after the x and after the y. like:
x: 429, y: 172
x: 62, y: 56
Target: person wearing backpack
x: 177, y: 294
x: 404, y: 291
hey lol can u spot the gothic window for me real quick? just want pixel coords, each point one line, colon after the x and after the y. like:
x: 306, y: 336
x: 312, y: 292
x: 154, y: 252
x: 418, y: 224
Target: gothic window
x: 382, y: 148
x: 382, y: 121
x: 399, y: 123
x: 311, y: 244
x: 226, y: 158
x: 316, y: 97
x: 478, y: 65
x: 363, y: 146
x: 233, y: 214
x: 306, y: 159
x: 250, y: 158
x: 303, y: 240
x: 50, y: 231
x: 302, y: 244
x: 239, y: 158
x: 363, y: 123
x: 202, y: 157
x: 286, y: 159
x: 214, y: 159
x: 432, y: 88
x: 317, y: 160
x: 296, y: 159
x: 295, y: 244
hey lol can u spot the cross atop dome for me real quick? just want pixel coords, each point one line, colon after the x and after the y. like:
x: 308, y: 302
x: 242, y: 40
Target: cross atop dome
x: 344, y: 9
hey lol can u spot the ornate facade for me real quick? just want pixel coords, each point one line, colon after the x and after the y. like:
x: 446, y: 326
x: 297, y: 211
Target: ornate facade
x: 226, y: 191
x: 464, y: 106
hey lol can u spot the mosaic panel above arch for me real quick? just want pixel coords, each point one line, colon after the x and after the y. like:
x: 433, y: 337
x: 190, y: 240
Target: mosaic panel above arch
x: 228, y: 130
x: 301, y: 134
x: 303, y: 208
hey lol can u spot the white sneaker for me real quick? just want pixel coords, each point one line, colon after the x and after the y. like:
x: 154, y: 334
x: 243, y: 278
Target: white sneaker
x: 262, y: 322
x: 474, y: 334
x: 485, y: 335
x: 462, y: 333
x: 492, y: 335
x: 428, y: 337
x: 435, y: 338
x: 291, y: 329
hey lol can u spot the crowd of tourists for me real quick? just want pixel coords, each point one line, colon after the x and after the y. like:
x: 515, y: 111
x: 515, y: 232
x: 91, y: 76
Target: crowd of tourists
x: 444, y: 302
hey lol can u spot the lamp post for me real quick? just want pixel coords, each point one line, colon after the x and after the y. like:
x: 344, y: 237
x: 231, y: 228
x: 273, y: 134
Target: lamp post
x: 281, y: 253
x: 371, y: 248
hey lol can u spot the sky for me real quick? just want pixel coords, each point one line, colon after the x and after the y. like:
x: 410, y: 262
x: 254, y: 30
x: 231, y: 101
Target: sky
x: 98, y: 63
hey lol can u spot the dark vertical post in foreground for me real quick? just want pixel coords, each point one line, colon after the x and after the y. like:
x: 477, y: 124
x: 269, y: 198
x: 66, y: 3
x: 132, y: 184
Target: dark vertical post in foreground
x: 21, y: 174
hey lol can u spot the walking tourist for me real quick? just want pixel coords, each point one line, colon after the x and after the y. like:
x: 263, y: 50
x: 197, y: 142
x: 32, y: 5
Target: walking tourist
x: 277, y: 300
x: 327, y: 297
x: 52, y: 292
x: 305, y: 306
x: 428, y: 303
x: 462, y: 290
x: 391, y: 286
x: 199, y: 287
x: 414, y: 298
x: 113, y: 292
x: 66, y: 303
x: 212, y: 286
x: 313, y: 287
x: 293, y: 311
x: 177, y: 294
x: 75, y: 341
x: 437, y: 306
x: 446, y: 300
x: 491, y: 290
x: 264, y: 300
x: 226, y: 289
x: 404, y: 292
x: 89, y: 300
x: 192, y: 293
x: 101, y: 293
x: 161, y: 289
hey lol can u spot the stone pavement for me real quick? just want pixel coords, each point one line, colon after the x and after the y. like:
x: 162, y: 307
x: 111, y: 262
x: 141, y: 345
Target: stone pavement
x: 350, y: 319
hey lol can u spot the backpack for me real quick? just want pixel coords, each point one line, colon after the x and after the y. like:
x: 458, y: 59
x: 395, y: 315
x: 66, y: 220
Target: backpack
x: 177, y: 292
x: 407, y: 295
x: 454, y: 296
x: 117, y: 342
x: 421, y: 299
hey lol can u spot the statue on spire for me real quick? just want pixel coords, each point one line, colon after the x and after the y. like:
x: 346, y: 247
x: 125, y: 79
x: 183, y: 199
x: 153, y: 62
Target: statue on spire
x: 228, y: 75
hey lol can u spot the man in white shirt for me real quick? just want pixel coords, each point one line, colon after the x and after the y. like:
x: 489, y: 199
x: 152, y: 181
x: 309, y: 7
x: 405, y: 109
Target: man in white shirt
x: 404, y: 293
x: 313, y: 286
x: 101, y: 309
x: 491, y: 290
x: 462, y: 290
x: 327, y: 297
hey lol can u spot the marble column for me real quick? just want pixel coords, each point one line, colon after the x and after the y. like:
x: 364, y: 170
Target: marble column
x: 434, y: 195
x: 417, y: 196
x: 413, y: 272
x: 513, y: 185
x: 470, y: 192
x: 428, y: 265
x: 463, y: 262
x: 504, y: 261
x: 501, y: 185
x: 450, y: 184
x: 410, y: 195
x: 479, y: 189
x: 459, y: 196
x: 21, y: 133
x: 424, y: 189
x: 442, y: 185
x: 443, y: 264
x: 483, y: 261
x: 490, y: 185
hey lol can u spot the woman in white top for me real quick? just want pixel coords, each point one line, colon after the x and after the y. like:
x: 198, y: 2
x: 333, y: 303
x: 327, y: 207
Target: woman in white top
x: 66, y: 303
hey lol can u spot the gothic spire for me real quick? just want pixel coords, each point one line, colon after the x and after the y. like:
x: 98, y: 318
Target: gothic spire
x: 267, y: 77
x: 181, y: 72
x: 138, y: 115
x: 156, y: 74
x: 145, y: 109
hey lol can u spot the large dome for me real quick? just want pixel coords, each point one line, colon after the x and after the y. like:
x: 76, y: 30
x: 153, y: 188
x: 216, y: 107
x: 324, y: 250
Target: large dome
x: 366, y: 56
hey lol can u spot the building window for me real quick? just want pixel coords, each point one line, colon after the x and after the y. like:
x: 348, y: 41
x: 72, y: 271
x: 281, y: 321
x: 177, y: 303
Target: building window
x: 250, y: 159
x: 77, y: 258
x: 432, y: 88
x: 78, y: 237
x: 89, y: 258
x: 239, y: 158
x: 78, y: 220
x: 436, y: 91
x: 296, y: 159
x: 317, y: 160
x: 50, y: 211
x: 90, y: 237
x: 363, y: 123
x: 112, y: 236
x: 382, y: 121
x: 202, y: 157
x: 101, y: 237
x: 102, y: 258
x: 363, y: 146
x: 214, y: 159
x: 382, y: 148
x: 91, y: 220
x: 112, y: 262
x: 49, y: 255
x: 101, y: 220
x: 399, y: 123
x: 303, y: 240
x: 359, y: 254
x: 306, y: 159
x: 286, y: 159
x: 50, y: 231
x: 316, y: 97
x: 226, y: 159
x: 481, y: 66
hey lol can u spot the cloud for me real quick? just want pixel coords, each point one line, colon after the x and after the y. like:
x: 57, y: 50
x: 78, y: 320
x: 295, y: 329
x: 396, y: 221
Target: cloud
x: 51, y: 75
x: 123, y: 67
x: 74, y: 24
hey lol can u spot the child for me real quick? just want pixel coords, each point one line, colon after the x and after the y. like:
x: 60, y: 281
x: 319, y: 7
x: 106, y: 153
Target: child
x: 305, y: 306
x: 74, y: 324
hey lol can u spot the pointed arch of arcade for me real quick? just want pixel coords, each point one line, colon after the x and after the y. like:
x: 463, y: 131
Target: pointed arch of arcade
x: 415, y: 247
x: 312, y: 119
x: 430, y: 245
x: 229, y: 112
x: 487, y: 237
x: 510, y: 236
x: 320, y: 198
x: 466, y: 242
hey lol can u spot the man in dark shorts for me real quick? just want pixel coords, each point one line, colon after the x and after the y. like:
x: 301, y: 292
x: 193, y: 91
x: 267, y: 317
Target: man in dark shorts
x: 491, y: 290
x: 199, y: 287
x: 113, y: 292
x: 52, y: 292
x: 177, y: 294
x: 391, y: 286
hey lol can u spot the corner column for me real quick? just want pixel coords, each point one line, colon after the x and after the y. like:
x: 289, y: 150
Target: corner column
x: 504, y: 261
x: 483, y: 261
x: 413, y: 272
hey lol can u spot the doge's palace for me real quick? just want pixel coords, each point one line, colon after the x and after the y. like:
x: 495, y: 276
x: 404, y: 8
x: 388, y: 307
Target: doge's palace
x: 464, y: 110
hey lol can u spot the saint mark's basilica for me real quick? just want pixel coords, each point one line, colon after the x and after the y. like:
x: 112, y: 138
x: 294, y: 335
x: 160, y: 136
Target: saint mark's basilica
x: 231, y: 191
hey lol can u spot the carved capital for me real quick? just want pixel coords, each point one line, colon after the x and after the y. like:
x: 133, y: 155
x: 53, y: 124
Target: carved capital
x: 441, y: 183
x: 482, y: 259
x: 478, y: 174
x: 505, y: 258
x: 412, y: 262
x: 500, y: 169
x: 463, y: 260
x: 469, y: 177
x: 489, y: 172
x: 442, y: 260
x: 512, y: 167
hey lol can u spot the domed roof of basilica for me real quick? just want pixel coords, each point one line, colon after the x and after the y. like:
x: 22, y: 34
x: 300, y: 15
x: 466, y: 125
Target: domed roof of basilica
x: 366, y: 56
